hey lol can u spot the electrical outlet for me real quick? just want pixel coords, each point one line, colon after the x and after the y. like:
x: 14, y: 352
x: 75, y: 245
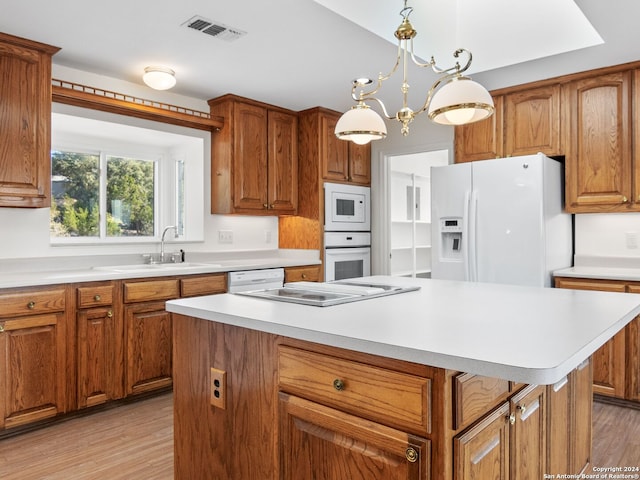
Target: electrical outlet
x: 632, y: 240
x: 225, y: 236
x: 218, y: 388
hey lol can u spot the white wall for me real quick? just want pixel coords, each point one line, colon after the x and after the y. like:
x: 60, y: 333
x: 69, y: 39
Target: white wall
x: 24, y: 232
x: 608, y: 235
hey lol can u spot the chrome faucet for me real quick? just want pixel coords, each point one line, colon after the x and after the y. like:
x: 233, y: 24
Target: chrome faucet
x: 164, y: 232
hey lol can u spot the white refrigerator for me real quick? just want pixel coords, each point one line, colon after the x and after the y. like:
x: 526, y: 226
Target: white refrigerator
x: 500, y: 221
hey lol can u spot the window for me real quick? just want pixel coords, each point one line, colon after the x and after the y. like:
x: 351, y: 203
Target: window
x: 117, y: 183
x: 78, y: 208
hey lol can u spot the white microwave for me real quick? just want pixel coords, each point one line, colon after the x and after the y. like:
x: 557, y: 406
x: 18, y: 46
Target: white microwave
x: 347, y: 208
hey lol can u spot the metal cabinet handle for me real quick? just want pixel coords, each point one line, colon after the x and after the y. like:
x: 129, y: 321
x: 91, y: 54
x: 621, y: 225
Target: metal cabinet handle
x: 1, y: 327
x: 411, y: 454
x: 110, y: 314
x: 512, y: 419
x: 97, y: 298
x: 304, y: 275
x: 625, y: 199
x: 521, y: 409
x: 265, y: 205
x: 338, y: 384
x: 31, y: 305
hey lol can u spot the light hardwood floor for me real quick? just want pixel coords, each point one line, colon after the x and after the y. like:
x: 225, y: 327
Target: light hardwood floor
x: 135, y: 442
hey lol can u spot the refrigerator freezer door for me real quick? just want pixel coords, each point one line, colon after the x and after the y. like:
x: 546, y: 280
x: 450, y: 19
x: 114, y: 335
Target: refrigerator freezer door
x: 450, y: 193
x: 510, y: 221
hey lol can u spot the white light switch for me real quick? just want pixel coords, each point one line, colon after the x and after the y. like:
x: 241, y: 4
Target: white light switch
x: 632, y: 240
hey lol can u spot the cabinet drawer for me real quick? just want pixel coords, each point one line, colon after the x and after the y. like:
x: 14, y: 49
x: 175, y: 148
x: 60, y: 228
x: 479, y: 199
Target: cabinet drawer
x: 474, y: 396
x: 94, y: 296
x: 299, y: 274
x: 32, y: 302
x: 364, y: 390
x: 151, y: 290
x: 206, y: 285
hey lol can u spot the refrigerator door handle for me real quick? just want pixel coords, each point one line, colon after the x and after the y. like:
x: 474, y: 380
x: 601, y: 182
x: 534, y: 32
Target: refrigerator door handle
x: 472, y: 225
x: 465, y: 237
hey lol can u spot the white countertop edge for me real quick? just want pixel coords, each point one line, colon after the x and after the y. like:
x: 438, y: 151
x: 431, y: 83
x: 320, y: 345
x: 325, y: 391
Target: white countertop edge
x: 541, y: 376
x: 600, y: 273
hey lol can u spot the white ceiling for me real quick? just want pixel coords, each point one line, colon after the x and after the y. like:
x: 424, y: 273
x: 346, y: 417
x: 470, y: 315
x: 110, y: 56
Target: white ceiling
x: 299, y: 54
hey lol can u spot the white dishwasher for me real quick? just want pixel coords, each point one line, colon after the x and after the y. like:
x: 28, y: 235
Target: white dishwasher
x: 248, y: 280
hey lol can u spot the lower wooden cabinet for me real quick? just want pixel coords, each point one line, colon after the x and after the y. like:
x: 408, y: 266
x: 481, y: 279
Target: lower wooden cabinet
x: 318, y: 442
x: 100, y: 352
x: 33, y: 347
x: 309, y: 273
x: 616, y: 365
x: 528, y: 437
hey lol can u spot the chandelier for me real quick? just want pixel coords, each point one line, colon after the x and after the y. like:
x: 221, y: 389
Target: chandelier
x: 458, y: 101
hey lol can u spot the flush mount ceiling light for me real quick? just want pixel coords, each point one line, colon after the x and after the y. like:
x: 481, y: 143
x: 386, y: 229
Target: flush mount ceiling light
x: 159, y: 78
x: 458, y: 101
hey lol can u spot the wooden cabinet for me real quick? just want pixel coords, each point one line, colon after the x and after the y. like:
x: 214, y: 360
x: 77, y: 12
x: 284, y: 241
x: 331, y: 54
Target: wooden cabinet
x: 308, y: 273
x: 25, y: 122
x: 148, y: 330
x: 100, y: 350
x: 33, y: 369
x: 254, y: 158
x: 525, y: 122
x: 609, y: 360
x: 340, y: 161
x: 318, y: 442
x: 509, y: 443
x: 597, y: 113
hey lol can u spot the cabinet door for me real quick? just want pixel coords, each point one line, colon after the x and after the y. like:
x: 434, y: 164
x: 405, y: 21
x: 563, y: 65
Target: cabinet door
x: 598, y: 143
x: 335, y: 152
x: 482, y: 452
x: 532, y: 121
x: 25, y: 123
x: 580, y: 440
x: 148, y: 335
x: 632, y: 332
x: 608, y: 360
x: 360, y: 163
x: 283, y: 162
x: 481, y: 140
x: 528, y: 434
x: 100, y: 356
x: 250, y: 157
x: 559, y: 427
x: 321, y: 443
x: 32, y: 368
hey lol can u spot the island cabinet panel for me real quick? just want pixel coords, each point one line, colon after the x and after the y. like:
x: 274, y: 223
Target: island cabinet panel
x: 474, y: 395
x: 33, y: 368
x: 25, y: 122
x: 633, y: 353
x: 529, y: 434
x: 608, y: 360
x: 482, y: 452
x: 581, y: 409
x: 383, y: 395
x: 321, y: 443
x: 99, y: 344
x: 597, y: 113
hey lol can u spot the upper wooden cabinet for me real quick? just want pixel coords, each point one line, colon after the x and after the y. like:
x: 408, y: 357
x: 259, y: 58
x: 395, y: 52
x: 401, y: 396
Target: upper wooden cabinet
x: 25, y: 122
x: 340, y: 161
x: 597, y: 111
x: 525, y: 122
x: 254, y: 158
x: 481, y: 140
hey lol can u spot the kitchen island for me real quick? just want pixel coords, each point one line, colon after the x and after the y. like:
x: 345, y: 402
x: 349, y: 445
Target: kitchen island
x: 455, y: 380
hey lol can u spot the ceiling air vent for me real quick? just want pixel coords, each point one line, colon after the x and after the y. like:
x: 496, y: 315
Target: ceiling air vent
x: 214, y: 29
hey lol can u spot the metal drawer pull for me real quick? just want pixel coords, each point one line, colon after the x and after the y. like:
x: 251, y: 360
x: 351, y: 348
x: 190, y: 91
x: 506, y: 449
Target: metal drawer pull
x: 97, y: 298
x: 512, y: 419
x: 411, y: 454
x: 31, y: 305
x: 338, y: 384
x: 1, y: 327
x: 109, y: 314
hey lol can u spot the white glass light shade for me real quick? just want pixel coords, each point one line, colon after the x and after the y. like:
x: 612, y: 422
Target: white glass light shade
x: 159, y: 78
x: 460, y: 101
x: 360, y: 124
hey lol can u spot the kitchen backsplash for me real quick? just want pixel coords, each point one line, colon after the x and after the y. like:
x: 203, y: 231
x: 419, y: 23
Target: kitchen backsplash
x: 607, y: 235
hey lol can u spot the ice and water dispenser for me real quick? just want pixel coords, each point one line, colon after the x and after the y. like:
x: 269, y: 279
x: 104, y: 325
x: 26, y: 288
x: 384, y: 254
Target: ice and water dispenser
x: 451, y: 238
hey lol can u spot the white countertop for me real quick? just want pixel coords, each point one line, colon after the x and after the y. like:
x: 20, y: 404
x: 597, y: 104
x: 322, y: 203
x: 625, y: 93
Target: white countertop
x: 524, y: 334
x: 604, y: 268
x: 50, y: 271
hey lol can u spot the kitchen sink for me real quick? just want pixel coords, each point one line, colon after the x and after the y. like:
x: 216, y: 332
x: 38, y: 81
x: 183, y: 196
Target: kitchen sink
x: 155, y: 267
